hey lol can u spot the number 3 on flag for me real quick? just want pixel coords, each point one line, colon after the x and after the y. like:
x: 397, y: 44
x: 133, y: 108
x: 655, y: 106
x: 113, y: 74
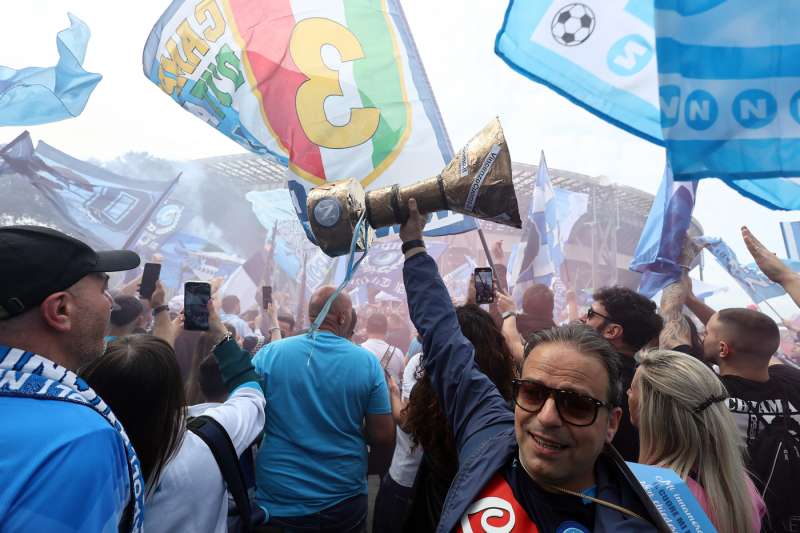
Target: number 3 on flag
x: 308, y: 38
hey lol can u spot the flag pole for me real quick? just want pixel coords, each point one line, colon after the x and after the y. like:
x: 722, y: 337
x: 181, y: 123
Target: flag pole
x: 138, y: 231
x: 301, y: 293
x: 486, y: 248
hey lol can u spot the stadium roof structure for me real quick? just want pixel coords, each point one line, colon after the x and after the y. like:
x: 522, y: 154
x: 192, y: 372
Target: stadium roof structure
x: 598, y: 250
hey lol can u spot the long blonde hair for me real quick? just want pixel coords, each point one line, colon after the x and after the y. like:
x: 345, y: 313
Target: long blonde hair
x: 685, y: 425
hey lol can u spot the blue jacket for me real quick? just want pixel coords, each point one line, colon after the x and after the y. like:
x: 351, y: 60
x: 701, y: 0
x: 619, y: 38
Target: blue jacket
x: 482, y: 425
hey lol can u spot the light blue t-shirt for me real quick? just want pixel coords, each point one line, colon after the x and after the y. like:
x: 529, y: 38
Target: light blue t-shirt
x: 314, y: 454
x: 63, y: 468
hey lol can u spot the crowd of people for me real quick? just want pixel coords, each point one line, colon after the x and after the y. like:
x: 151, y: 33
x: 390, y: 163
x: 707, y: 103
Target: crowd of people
x: 469, y: 418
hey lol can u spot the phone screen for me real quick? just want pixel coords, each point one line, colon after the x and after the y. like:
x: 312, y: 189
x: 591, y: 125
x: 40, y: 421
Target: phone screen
x: 195, y: 305
x: 484, y: 286
x: 266, y: 296
x: 149, y: 278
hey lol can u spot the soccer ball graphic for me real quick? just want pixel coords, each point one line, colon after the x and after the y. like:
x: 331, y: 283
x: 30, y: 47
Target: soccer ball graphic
x: 573, y: 24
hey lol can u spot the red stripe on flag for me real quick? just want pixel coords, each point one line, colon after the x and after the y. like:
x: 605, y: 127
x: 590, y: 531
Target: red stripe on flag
x: 265, y: 27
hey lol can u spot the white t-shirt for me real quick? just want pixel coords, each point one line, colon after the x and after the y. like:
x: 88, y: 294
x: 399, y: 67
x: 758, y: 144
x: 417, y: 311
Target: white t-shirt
x: 394, y: 357
x: 405, y: 461
x: 191, y: 495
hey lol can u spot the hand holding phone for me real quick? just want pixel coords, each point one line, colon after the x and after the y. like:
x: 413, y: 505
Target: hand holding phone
x: 196, y: 296
x: 266, y: 296
x: 484, y: 285
x: 149, y: 278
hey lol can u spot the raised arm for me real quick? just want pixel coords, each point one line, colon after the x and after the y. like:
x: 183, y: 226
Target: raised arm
x: 472, y: 403
x: 676, y: 330
x: 772, y: 267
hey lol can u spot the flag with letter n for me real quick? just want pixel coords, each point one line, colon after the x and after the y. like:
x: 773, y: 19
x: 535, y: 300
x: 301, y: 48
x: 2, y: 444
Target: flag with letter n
x: 730, y: 101
x: 600, y: 54
x: 332, y: 89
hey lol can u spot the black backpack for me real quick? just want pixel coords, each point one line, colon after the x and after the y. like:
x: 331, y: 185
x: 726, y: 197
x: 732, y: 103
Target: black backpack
x: 775, y: 464
x: 245, y: 513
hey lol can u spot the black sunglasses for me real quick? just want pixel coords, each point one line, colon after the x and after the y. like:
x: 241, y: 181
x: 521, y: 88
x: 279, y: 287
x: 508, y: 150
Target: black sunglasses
x: 573, y: 408
x: 591, y: 312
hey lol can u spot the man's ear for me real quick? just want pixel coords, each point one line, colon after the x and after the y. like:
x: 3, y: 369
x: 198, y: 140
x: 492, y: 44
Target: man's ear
x: 724, y: 349
x: 612, y: 331
x: 57, y: 310
x: 614, y: 417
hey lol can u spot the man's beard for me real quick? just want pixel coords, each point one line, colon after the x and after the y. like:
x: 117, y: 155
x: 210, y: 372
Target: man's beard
x: 86, y: 342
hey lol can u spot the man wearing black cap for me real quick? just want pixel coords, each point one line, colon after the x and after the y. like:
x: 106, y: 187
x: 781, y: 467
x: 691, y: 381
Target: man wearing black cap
x: 67, y: 463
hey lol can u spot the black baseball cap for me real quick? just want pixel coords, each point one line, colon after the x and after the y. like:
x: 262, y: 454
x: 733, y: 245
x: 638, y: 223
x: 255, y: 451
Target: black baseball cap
x: 36, y: 262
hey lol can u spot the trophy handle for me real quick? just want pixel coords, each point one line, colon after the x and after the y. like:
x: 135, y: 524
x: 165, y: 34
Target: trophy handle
x: 389, y: 206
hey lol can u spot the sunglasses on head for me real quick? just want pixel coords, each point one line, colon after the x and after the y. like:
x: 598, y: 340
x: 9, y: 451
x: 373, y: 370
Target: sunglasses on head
x: 574, y: 408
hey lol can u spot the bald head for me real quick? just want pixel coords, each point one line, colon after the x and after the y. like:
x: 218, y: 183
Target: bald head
x: 339, y: 316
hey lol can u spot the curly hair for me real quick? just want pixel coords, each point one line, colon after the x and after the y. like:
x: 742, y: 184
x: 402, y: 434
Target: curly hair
x: 635, y: 313
x: 425, y: 419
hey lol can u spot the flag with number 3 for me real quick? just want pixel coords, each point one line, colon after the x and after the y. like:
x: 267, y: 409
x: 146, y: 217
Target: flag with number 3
x: 334, y: 89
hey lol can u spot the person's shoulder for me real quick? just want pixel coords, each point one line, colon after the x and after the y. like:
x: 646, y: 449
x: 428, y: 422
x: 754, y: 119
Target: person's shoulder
x: 53, y: 415
x: 786, y: 373
x: 58, y: 426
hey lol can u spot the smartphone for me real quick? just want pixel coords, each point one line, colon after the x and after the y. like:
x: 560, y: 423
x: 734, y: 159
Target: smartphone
x: 266, y: 296
x: 149, y: 278
x: 484, y: 285
x: 196, y: 295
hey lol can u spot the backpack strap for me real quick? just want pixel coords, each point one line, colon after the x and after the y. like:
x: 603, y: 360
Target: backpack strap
x: 217, y: 439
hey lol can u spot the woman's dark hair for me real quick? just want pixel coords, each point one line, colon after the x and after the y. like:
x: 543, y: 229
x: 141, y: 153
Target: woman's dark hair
x: 138, y: 377
x: 203, y: 348
x: 425, y: 420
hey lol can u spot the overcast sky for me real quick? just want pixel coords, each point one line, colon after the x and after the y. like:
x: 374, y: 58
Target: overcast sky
x: 455, y: 39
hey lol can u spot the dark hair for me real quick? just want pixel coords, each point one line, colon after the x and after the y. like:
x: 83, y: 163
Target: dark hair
x: 138, y: 377
x: 210, y: 379
x: 377, y: 324
x: 750, y: 332
x: 425, y: 419
x: 249, y: 344
x: 289, y: 319
x: 203, y: 348
x: 636, y: 314
x: 129, y: 309
x: 588, y: 342
x: 229, y: 303
x: 538, y: 300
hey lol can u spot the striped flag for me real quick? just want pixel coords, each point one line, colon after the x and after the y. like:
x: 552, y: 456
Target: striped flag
x: 539, y: 253
x: 791, y: 238
x: 730, y: 105
x: 333, y: 89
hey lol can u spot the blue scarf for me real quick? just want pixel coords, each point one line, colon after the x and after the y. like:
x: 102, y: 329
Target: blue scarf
x: 29, y: 375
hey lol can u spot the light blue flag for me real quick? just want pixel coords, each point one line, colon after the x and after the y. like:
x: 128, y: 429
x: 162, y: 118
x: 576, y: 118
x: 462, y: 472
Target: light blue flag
x: 791, y: 238
x: 749, y: 277
x: 600, y: 54
x: 730, y: 101
x: 664, y: 233
x: 537, y: 257
x: 775, y: 193
x: 36, y: 95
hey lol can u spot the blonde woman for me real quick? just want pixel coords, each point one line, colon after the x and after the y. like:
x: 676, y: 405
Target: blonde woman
x: 678, y: 404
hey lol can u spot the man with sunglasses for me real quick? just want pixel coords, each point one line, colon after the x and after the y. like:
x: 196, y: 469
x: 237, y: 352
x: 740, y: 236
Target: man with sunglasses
x: 546, y: 466
x: 628, y: 321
